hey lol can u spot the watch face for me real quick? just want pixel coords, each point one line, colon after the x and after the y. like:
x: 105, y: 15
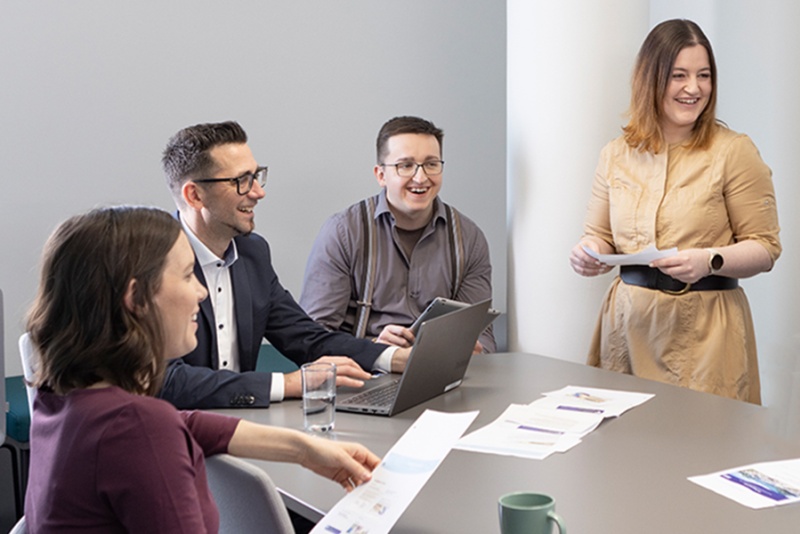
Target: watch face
x: 717, y: 261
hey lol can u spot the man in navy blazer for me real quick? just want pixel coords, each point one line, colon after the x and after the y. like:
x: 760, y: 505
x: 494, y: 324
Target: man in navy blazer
x: 216, y: 182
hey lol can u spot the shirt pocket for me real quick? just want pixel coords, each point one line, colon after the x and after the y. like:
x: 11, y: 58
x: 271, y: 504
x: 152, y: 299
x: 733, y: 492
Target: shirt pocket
x: 625, y: 197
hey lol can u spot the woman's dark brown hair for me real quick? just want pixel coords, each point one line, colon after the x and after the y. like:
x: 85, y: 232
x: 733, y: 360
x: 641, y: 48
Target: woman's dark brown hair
x: 79, y: 323
x: 651, y: 76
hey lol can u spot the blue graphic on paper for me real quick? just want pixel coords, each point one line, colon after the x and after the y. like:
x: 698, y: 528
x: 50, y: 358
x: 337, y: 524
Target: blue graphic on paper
x: 407, y: 465
x: 761, y: 484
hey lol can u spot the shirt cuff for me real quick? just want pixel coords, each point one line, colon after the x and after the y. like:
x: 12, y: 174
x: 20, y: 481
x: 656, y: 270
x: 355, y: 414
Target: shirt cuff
x: 276, y: 391
x: 384, y: 361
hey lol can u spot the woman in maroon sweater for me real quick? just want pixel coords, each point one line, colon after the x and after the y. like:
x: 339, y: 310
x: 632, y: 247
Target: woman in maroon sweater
x: 118, y: 297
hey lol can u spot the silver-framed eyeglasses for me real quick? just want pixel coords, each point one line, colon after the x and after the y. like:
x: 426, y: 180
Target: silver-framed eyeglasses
x: 244, y: 183
x: 408, y: 169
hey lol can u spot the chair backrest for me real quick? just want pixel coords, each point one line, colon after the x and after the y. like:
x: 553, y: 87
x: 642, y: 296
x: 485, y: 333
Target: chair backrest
x: 247, y: 499
x: 28, y: 354
x: 20, y: 527
x: 2, y: 372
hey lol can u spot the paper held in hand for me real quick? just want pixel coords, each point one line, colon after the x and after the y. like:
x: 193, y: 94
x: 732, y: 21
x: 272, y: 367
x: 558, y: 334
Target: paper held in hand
x: 643, y: 257
x: 376, y: 506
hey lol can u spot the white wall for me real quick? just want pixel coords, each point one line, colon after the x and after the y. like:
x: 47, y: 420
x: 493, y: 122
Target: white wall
x: 569, y: 66
x: 91, y: 90
x: 568, y: 71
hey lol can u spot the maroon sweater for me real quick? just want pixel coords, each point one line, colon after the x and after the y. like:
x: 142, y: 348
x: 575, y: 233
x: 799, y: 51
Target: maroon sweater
x: 104, y: 460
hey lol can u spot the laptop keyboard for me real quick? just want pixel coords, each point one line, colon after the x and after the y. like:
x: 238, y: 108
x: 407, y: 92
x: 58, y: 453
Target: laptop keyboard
x: 379, y: 396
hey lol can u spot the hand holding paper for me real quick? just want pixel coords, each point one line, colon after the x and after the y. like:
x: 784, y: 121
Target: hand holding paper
x: 375, y: 507
x: 643, y: 257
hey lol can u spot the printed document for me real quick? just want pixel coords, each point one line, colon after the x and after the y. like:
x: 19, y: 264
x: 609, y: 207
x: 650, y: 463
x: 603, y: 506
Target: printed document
x: 376, y: 506
x: 605, y: 402
x: 553, y: 423
x: 759, y: 485
x: 528, y: 432
x: 643, y: 257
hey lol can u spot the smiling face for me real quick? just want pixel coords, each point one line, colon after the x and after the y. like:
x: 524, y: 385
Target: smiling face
x: 220, y: 213
x: 687, y: 95
x: 178, y: 300
x: 410, y: 199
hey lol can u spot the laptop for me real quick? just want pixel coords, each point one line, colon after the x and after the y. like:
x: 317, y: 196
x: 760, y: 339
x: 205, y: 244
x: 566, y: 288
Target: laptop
x: 437, y: 364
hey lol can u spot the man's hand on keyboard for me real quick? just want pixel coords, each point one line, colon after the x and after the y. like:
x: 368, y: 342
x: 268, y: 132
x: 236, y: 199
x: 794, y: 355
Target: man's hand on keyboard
x: 348, y: 373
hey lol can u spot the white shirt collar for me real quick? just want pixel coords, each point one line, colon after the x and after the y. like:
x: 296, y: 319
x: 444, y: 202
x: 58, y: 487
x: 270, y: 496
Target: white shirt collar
x: 204, y: 255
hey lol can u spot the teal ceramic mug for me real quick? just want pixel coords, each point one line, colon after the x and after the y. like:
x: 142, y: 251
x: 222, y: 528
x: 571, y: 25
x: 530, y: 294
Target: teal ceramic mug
x: 529, y: 513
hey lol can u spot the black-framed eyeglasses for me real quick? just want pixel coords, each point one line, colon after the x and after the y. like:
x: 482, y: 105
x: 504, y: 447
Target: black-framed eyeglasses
x: 244, y: 183
x: 408, y: 169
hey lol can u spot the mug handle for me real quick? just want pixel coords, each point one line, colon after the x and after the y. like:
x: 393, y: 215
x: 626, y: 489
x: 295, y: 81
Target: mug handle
x: 562, y: 528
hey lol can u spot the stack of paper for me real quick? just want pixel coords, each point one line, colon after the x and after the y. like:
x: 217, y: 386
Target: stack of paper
x: 530, y: 432
x: 554, y: 423
x: 605, y: 402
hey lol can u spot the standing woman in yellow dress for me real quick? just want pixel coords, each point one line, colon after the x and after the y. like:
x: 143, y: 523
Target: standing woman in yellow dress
x: 678, y: 177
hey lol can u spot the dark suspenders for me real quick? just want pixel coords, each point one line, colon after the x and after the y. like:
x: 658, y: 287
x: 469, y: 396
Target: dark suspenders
x: 456, y: 250
x: 370, y: 258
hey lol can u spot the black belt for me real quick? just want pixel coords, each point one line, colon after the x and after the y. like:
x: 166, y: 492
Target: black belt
x: 651, y: 278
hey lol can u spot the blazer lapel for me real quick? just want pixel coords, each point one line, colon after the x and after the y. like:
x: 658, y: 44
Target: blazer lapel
x: 207, y: 314
x: 243, y: 308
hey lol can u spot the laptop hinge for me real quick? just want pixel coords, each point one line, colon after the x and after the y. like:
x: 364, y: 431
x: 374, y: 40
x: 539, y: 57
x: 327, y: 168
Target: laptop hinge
x: 452, y: 386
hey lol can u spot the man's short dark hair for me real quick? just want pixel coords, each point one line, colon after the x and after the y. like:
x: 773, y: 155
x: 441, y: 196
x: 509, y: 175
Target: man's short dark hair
x: 405, y: 125
x: 187, y: 153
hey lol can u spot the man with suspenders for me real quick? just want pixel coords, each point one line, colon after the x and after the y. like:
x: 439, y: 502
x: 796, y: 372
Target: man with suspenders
x: 375, y: 266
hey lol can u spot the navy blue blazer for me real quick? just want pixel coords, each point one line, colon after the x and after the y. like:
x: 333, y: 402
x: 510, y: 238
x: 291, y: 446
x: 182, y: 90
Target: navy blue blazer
x: 263, y: 309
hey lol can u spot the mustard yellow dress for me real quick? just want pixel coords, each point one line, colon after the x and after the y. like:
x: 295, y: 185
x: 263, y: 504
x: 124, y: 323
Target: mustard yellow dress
x: 703, y: 340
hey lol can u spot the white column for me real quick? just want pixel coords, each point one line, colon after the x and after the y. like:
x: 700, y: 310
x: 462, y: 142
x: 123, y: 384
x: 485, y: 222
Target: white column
x: 569, y: 65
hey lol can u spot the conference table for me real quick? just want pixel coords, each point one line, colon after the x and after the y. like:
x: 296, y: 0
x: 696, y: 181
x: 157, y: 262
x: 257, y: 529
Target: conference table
x: 627, y: 476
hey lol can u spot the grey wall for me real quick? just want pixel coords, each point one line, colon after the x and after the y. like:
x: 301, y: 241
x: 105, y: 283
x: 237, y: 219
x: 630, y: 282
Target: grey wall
x: 91, y: 90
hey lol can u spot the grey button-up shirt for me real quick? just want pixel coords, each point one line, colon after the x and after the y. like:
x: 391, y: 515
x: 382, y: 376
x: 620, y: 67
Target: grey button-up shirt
x: 403, y: 286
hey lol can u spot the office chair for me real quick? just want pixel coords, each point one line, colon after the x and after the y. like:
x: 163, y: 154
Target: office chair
x: 3, y: 370
x: 11, y: 452
x: 28, y: 355
x: 19, y: 528
x: 247, y: 499
x: 8, y: 511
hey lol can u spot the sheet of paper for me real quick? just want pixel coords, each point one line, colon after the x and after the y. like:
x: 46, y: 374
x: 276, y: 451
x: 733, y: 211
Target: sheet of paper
x: 376, y: 506
x: 643, y: 257
x: 528, y: 432
x: 605, y: 402
x: 759, y: 485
